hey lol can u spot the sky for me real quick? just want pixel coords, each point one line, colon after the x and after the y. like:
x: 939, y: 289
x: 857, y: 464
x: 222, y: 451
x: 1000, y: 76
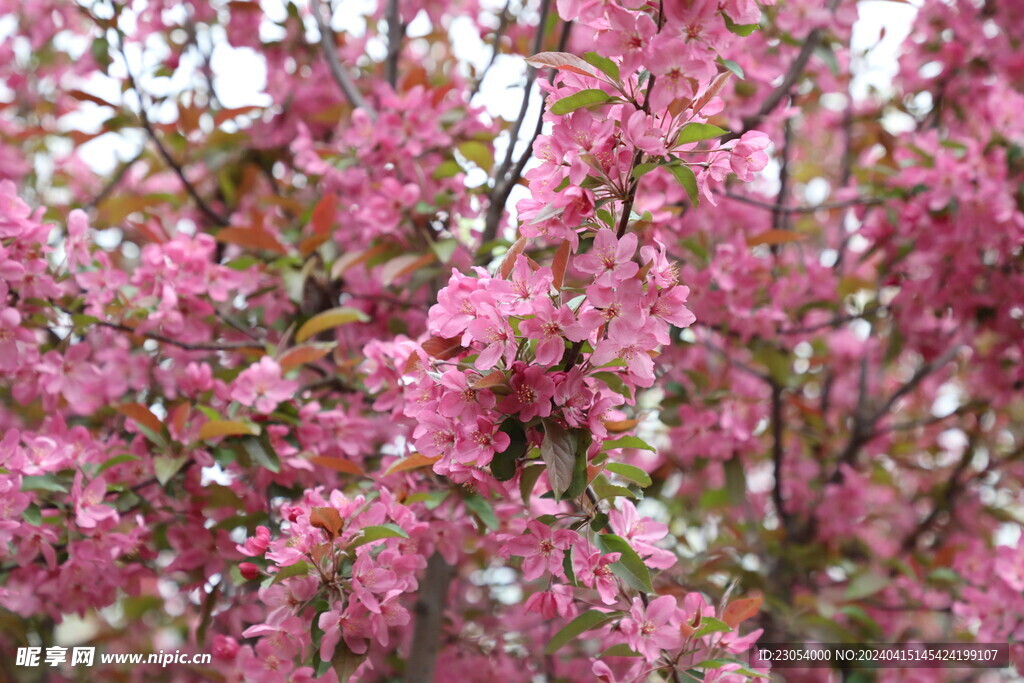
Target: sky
x: 240, y: 74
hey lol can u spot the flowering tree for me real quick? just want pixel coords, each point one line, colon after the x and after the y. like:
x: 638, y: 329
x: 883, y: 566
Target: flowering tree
x: 365, y: 383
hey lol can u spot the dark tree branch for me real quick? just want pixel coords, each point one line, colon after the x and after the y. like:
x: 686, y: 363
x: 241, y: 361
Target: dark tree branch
x: 429, y: 611
x: 147, y: 125
x: 330, y: 48
x: 188, y: 346
x: 503, y: 180
x: 778, y: 452
x: 396, y: 32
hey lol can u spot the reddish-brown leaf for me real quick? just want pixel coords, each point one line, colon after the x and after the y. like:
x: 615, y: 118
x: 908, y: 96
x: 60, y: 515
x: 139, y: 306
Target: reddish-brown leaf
x: 442, y: 348
x: 338, y: 465
x: 560, y: 263
x: 509, y: 261
x: 324, y: 213
x: 414, y: 461
x: 773, y: 237
x: 740, y: 610
x: 141, y: 414
x: 327, y: 519
x: 300, y: 355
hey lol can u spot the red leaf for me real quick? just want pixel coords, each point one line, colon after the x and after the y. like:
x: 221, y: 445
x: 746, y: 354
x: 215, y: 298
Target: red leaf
x: 442, y: 348
x: 324, y: 213
x: 741, y: 610
x: 560, y: 263
x: 510, y: 257
x: 327, y: 519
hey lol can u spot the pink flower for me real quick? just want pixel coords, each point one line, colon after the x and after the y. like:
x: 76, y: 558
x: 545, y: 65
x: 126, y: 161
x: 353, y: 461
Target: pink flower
x: 548, y: 328
x: 391, y: 613
x: 653, y: 628
x: 592, y: 569
x: 555, y: 602
x: 532, y: 390
x: 528, y: 284
x: 255, y: 546
x: 609, y: 260
x: 492, y: 330
x: 460, y: 400
x: 11, y: 335
x: 748, y: 156
x: 541, y: 549
x: 481, y: 443
x: 260, y: 385
x: 629, y: 340
x: 89, y: 507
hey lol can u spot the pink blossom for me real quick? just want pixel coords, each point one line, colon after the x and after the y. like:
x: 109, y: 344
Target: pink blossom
x: 609, y: 259
x: 542, y: 549
x: 261, y: 386
x: 653, y: 628
x: 532, y: 391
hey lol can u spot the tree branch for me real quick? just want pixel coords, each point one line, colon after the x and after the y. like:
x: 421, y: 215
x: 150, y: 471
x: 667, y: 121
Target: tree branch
x: 429, y: 610
x: 503, y: 180
x: 330, y: 48
x: 808, y: 208
x: 396, y: 31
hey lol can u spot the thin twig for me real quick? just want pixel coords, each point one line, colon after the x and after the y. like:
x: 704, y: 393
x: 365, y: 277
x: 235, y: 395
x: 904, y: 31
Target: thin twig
x: 808, y: 208
x: 115, y: 180
x: 147, y: 125
x: 188, y: 346
x: 499, y: 32
x: 503, y: 180
x: 793, y: 74
x: 330, y: 48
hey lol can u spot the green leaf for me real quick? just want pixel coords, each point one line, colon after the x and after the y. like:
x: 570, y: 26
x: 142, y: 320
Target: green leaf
x: 377, y: 533
x: 603, y: 64
x: 740, y: 29
x: 579, y: 471
x: 695, y: 132
x: 643, y: 169
x: 630, y: 568
x: 613, y: 382
x: 732, y: 66
x: 447, y: 169
x: 865, y: 585
x: 503, y: 466
x: 528, y: 480
x: 587, y: 621
x: 710, y: 625
x: 300, y: 568
x: 165, y: 467
x: 42, y: 482
x: 629, y: 442
x: 261, y: 453
x: 685, y: 176
x: 584, y: 98
x: 631, y: 472
x: 619, y: 650
x: 483, y: 510
x: 605, y: 490
x: 116, y: 460
x: 477, y: 152
x: 33, y: 515
x: 719, y: 663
